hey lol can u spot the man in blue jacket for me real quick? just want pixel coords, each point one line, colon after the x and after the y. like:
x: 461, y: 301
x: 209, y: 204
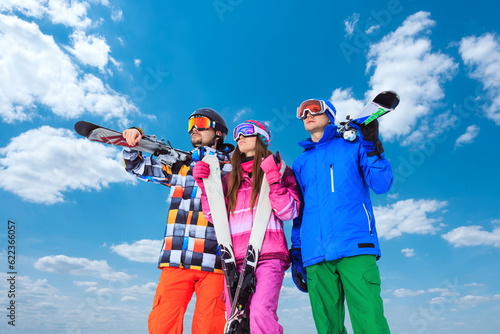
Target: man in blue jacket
x: 334, y: 240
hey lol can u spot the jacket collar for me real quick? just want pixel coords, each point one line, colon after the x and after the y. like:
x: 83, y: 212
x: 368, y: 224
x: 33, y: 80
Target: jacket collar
x: 329, y: 133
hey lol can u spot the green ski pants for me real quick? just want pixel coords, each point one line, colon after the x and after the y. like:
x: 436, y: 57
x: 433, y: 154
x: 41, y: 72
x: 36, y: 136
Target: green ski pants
x: 354, y: 279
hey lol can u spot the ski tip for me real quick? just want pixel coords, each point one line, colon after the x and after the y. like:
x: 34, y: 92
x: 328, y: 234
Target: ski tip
x: 388, y: 99
x: 277, y: 157
x: 84, y: 128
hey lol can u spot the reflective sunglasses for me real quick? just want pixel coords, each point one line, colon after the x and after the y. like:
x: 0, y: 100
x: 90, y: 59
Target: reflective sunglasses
x: 248, y: 130
x: 313, y: 107
x: 200, y: 122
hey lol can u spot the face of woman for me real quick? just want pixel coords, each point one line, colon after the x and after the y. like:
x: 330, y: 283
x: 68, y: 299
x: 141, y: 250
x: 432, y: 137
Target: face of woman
x: 247, y: 145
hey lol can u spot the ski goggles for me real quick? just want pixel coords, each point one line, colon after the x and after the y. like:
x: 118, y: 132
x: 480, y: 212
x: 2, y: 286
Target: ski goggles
x: 313, y: 107
x: 248, y: 130
x: 200, y: 123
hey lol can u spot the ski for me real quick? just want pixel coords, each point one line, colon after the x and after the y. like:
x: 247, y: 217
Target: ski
x: 148, y: 144
x: 381, y: 105
x: 215, y: 195
x: 237, y: 321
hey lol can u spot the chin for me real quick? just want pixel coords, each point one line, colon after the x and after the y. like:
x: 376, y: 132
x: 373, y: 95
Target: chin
x: 196, y: 143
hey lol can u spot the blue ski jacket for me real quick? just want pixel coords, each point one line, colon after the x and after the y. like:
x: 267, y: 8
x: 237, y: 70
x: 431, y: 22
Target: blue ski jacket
x: 336, y: 219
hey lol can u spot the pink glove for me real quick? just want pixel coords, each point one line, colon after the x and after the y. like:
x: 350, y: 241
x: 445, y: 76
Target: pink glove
x: 201, y: 171
x: 272, y: 169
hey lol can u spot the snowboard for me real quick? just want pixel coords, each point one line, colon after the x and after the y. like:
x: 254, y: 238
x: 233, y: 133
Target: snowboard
x: 381, y: 105
x: 148, y: 144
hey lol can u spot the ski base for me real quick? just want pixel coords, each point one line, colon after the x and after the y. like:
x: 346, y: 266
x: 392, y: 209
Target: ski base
x: 148, y: 144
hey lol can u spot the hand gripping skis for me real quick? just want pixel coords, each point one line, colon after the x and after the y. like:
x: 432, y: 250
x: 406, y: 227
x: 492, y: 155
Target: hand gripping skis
x: 148, y: 144
x: 382, y: 104
x: 242, y: 285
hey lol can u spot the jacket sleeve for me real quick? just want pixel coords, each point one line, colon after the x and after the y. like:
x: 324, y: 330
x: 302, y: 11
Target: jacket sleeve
x: 297, y: 222
x: 146, y: 168
x: 377, y: 172
x: 284, y: 196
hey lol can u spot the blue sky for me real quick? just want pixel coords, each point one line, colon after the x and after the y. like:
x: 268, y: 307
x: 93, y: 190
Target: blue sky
x: 88, y: 234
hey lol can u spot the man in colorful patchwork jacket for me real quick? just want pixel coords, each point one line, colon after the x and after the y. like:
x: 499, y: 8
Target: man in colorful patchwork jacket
x: 334, y: 239
x: 189, y: 259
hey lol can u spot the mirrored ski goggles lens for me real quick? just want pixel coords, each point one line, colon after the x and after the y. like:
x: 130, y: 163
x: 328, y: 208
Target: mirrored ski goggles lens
x: 247, y: 130
x: 314, y: 107
x: 200, y: 122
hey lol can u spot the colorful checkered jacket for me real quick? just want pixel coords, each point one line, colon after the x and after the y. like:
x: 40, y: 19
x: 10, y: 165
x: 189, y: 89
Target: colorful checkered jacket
x: 190, y: 240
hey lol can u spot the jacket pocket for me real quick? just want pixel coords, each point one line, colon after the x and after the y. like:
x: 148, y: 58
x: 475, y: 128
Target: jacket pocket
x: 332, y: 179
x: 368, y: 219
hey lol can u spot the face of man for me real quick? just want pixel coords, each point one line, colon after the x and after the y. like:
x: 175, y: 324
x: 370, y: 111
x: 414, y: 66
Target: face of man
x: 316, y: 123
x: 202, y: 137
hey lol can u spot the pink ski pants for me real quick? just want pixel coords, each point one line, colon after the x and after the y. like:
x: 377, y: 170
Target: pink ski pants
x: 264, y: 302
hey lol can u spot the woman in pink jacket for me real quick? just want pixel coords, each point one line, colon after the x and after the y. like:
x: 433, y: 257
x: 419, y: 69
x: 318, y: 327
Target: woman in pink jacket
x: 252, y: 160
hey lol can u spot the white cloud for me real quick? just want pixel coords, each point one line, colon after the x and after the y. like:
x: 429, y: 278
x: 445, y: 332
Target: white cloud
x: 468, y: 137
x: 483, y: 55
x: 117, y: 15
x: 408, y: 216
x: 345, y: 104
x: 407, y: 293
x: 69, y: 13
x: 430, y: 128
x: 129, y: 299
x: 444, y: 292
x: 136, y: 290
x: 473, y: 236
x: 404, y: 61
x: 36, y: 72
x: 408, y: 252
x: 63, y: 264
x: 141, y: 251
x: 350, y: 23
x: 470, y: 300
x: 31, y: 8
x: 90, y: 50
x: 41, y: 164
x: 85, y: 283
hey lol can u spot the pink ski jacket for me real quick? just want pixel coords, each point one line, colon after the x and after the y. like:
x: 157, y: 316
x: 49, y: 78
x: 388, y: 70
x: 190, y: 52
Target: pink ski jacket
x: 284, y: 197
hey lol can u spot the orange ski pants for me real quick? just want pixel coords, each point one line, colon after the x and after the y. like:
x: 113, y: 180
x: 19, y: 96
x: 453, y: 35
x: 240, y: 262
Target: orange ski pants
x: 173, y: 294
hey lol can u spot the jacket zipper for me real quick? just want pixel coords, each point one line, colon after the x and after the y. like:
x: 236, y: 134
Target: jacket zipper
x: 368, y: 217
x: 331, y: 179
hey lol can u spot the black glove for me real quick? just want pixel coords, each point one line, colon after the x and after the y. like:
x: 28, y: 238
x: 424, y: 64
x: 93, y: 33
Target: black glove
x: 298, y: 271
x: 369, y: 137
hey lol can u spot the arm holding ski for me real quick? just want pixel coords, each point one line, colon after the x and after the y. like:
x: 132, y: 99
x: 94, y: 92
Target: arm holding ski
x: 283, y: 193
x: 158, y: 167
x: 146, y: 168
x: 377, y: 171
x: 201, y: 171
x: 133, y: 136
x: 284, y: 197
x: 369, y: 137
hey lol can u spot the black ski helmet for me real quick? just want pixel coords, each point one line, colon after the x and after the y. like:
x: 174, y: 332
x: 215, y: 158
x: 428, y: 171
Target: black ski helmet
x: 220, y: 123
